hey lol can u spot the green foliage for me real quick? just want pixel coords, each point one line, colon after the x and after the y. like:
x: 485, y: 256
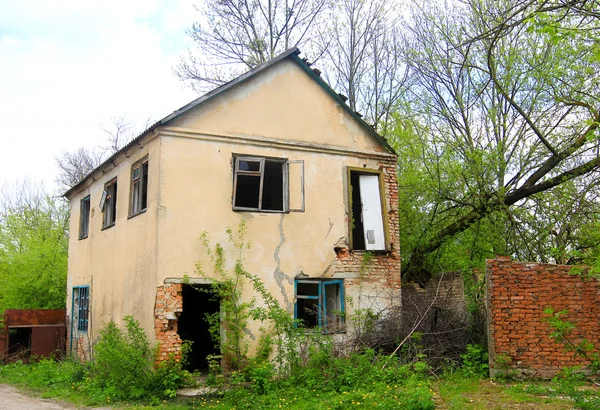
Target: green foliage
x: 569, y: 383
x: 33, y: 251
x: 562, y: 332
x: 327, y: 381
x: 475, y: 362
x: 122, y: 365
x: 228, y: 288
x: 493, y: 134
x: 367, y: 257
x: 123, y: 369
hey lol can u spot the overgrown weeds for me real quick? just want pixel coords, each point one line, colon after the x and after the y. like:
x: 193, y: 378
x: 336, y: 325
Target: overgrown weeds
x: 123, y: 369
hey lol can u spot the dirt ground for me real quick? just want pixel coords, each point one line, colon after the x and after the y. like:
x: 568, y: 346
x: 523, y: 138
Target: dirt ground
x: 13, y: 399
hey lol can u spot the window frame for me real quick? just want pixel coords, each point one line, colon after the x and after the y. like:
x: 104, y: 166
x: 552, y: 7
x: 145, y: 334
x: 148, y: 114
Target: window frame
x: 84, y: 217
x: 137, y: 199
x: 321, y: 297
x: 81, y: 294
x: 384, y: 213
x: 285, y: 173
x: 109, y: 199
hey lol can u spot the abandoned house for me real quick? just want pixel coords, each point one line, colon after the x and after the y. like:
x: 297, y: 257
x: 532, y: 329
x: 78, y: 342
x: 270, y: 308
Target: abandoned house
x: 276, y: 148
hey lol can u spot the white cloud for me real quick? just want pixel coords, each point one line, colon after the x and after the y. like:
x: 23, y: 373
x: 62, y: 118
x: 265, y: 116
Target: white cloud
x: 66, y: 66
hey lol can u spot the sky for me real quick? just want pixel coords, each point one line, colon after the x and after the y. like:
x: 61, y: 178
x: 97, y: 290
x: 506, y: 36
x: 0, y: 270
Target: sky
x: 68, y: 66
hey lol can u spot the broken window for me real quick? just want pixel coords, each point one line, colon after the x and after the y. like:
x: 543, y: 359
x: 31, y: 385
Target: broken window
x: 139, y: 188
x: 366, y: 211
x: 320, y: 304
x: 80, y: 309
x: 108, y: 204
x: 268, y: 184
x: 84, y: 217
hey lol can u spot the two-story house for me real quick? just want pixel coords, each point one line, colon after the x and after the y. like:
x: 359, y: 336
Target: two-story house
x: 276, y: 147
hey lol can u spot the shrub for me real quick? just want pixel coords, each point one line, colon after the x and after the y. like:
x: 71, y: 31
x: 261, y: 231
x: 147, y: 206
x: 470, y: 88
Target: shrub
x: 475, y: 361
x: 122, y: 365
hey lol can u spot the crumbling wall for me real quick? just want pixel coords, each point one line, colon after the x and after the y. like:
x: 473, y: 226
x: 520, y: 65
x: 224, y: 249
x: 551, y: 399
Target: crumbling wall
x: 517, y: 294
x: 372, y: 280
x: 168, y: 306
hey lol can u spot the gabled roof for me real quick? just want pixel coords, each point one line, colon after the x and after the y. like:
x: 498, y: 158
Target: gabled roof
x: 292, y: 54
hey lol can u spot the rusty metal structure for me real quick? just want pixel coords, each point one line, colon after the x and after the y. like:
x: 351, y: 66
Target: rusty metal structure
x: 31, y: 333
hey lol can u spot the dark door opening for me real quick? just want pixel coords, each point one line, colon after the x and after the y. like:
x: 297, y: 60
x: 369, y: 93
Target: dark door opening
x: 198, y: 301
x: 19, y: 344
x: 358, y: 239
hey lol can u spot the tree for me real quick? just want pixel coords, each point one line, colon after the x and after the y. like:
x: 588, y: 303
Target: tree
x: 361, y: 49
x: 504, y: 108
x: 236, y: 35
x: 76, y: 165
x: 33, y: 249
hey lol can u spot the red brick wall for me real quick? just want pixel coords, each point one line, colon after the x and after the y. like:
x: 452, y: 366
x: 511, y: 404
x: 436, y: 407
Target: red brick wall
x: 384, y: 267
x: 168, y: 306
x: 517, y: 294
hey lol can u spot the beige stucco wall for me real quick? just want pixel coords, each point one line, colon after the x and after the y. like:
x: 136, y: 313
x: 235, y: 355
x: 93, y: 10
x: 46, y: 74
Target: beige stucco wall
x: 196, y: 196
x: 282, y: 113
x: 281, y: 102
x: 118, y: 263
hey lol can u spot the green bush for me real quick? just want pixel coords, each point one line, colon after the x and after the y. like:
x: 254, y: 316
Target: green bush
x: 475, y: 362
x: 122, y: 366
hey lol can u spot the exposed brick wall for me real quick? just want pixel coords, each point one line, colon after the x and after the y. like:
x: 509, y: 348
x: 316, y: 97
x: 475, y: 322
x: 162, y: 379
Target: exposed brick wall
x: 168, y: 306
x: 384, y: 267
x: 517, y: 294
x: 444, y: 291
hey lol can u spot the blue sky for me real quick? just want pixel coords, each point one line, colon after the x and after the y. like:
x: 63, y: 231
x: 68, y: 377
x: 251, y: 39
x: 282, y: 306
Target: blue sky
x: 67, y: 66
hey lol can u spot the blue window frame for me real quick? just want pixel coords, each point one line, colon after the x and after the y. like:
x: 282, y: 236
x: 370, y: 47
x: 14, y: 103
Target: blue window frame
x: 320, y: 304
x: 80, y: 308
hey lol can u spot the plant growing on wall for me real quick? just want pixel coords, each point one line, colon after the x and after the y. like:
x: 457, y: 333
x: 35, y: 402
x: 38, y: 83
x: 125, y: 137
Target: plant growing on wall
x: 228, y: 288
x: 283, y: 340
x: 562, y: 332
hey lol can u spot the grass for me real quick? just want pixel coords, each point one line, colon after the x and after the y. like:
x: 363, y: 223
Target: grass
x: 486, y: 394
x: 410, y: 391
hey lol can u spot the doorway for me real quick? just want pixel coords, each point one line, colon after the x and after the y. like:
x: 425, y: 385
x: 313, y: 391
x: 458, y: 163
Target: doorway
x: 198, y: 302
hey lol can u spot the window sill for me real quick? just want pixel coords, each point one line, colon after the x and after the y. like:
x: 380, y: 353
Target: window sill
x: 108, y: 226
x: 262, y: 211
x: 83, y: 237
x: 374, y: 252
x: 143, y: 211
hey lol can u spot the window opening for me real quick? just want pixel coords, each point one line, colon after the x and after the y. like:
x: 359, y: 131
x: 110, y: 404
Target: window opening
x: 366, y: 212
x: 108, y: 204
x: 80, y: 312
x: 139, y: 188
x: 320, y: 304
x: 262, y: 184
x: 84, y: 217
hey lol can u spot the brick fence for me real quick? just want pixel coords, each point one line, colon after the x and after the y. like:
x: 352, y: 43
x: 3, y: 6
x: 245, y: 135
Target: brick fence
x: 517, y: 294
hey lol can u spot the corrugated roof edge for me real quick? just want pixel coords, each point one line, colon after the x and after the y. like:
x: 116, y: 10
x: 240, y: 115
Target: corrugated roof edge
x: 341, y: 101
x: 293, y: 53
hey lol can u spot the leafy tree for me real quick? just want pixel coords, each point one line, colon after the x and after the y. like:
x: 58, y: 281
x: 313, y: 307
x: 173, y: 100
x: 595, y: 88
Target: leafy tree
x: 33, y: 249
x: 504, y: 109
